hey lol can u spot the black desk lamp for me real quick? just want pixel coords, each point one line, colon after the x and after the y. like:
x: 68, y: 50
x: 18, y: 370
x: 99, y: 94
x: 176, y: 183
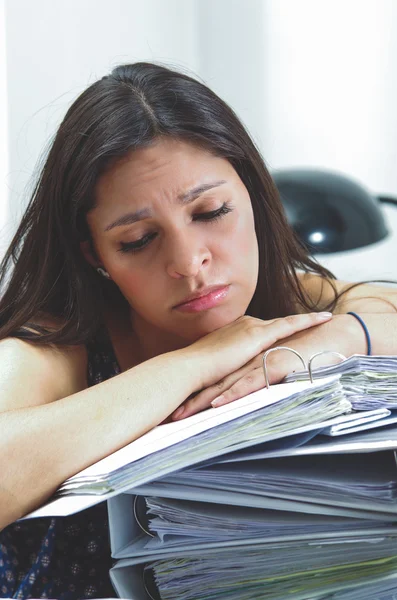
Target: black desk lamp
x: 330, y: 212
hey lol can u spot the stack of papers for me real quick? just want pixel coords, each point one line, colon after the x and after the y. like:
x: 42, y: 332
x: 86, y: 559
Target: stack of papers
x: 299, y: 570
x: 370, y: 382
x: 310, y: 514
x: 268, y: 414
x: 262, y: 416
x: 341, y: 480
x: 179, y: 523
x: 321, y: 525
x: 283, y: 493
x: 383, y: 589
x: 273, y: 573
x: 314, y: 526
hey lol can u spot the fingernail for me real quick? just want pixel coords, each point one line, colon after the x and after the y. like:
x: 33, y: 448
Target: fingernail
x: 324, y: 315
x: 178, y: 412
x: 218, y: 401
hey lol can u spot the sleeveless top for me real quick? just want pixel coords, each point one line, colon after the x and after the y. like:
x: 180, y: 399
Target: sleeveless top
x: 67, y: 558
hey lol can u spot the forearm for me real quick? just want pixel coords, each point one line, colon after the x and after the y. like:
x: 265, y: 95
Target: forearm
x: 377, y: 307
x: 42, y: 446
x: 382, y: 328
x: 343, y: 334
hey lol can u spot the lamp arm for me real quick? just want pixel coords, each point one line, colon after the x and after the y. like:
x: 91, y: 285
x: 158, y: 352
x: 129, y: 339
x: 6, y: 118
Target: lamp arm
x: 387, y: 200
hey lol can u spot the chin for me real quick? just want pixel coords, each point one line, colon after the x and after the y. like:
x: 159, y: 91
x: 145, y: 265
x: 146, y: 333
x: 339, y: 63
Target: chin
x: 209, y: 323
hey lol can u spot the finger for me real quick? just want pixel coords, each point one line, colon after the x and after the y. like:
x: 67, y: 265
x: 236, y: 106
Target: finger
x: 276, y: 329
x: 254, y: 380
x: 202, y: 400
x: 287, y: 326
x: 251, y: 382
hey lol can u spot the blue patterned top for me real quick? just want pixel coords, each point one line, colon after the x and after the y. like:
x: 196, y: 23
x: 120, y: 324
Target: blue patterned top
x: 64, y: 557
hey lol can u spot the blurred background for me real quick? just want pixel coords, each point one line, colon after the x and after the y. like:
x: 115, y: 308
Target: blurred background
x: 314, y: 81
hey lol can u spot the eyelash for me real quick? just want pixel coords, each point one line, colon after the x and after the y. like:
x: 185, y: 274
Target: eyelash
x: 212, y: 216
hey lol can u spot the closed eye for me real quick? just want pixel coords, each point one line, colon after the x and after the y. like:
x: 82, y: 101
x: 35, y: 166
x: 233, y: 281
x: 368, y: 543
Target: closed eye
x: 214, y: 214
x: 143, y: 242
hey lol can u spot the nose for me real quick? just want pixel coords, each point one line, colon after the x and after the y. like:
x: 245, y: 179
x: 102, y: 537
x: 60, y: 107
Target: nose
x: 187, y: 255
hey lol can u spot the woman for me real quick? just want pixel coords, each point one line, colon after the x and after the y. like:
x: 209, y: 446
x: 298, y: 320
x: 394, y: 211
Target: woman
x: 153, y: 267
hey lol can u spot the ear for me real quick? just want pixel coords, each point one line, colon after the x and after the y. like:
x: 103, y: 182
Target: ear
x: 89, y: 253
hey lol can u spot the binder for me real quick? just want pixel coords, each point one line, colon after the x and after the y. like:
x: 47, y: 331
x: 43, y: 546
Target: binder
x: 151, y: 560
x: 129, y: 581
x: 115, y: 474
x: 364, y: 442
x: 285, y: 409
x: 134, y: 577
x: 348, y: 491
x: 345, y: 481
x: 369, y: 381
x: 131, y: 537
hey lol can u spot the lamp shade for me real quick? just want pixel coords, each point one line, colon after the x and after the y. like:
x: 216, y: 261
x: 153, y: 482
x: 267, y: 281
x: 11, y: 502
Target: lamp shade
x: 329, y: 211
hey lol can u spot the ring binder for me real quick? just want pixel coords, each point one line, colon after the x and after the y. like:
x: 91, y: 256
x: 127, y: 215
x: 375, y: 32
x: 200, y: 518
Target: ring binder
x: 149, y: 583
x: 342, y: 356
x: 317, y: 515
x: 137, y: 519
x: 307, y: 367
x: 273, y: 350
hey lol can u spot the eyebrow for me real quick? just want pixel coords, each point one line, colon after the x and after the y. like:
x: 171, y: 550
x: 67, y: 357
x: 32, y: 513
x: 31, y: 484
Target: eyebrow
x: 183, y: 199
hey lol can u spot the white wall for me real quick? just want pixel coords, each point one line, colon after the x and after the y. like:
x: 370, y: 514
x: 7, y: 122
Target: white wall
x: 315, y: 81
x: 331, y: 76
x: 55, y: 49
x: 330, y: 68
x: 231, y: 50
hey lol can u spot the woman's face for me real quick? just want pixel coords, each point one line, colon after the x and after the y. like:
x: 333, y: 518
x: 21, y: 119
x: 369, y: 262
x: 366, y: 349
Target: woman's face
x: 173, y: 221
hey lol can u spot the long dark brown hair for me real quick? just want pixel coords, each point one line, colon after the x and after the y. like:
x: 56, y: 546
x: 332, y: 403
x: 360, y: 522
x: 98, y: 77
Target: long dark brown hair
x: 44, y: 273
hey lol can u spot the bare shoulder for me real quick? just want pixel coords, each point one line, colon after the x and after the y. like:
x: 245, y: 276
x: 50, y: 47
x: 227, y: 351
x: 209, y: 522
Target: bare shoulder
x: 367, y: 297
x: 32, y: 374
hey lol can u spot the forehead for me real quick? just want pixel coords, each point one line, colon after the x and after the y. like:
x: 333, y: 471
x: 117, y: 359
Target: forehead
x: 164, y: 169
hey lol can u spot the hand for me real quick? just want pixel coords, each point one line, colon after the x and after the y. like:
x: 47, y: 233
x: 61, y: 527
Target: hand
x: 233, y: 358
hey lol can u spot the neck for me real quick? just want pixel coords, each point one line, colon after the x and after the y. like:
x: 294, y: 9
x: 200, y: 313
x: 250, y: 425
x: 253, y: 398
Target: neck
x: 151, y: 342
x: 135, y: 341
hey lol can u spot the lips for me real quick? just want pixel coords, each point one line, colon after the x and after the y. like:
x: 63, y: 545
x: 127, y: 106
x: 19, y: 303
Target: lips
x: 200, y: 294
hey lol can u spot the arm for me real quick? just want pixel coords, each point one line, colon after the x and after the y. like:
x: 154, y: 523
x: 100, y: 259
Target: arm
x: 370, y: 298
x: 44, y: 439
x: 376, y: 305
x: 45, y: 436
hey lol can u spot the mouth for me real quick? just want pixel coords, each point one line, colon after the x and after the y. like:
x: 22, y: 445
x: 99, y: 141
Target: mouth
x: 203, y: 299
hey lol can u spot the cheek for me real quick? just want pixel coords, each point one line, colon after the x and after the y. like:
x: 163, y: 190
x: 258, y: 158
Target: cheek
x: 246, y: 253
x: 244, y: 242
x: 137, y: 286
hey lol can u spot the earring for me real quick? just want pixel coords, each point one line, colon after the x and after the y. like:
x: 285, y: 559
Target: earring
x: 103, y: 272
